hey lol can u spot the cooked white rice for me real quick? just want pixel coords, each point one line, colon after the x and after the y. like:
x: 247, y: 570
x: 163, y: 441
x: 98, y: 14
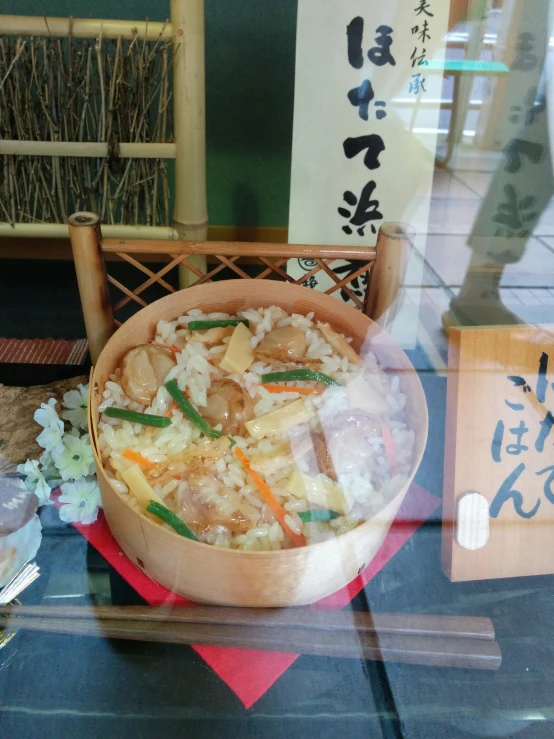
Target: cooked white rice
x: 195, y: 370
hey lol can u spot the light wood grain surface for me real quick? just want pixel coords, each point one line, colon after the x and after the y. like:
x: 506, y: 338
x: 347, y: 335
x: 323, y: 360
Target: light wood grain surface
x: 273, y: 579
x: 480, y: 363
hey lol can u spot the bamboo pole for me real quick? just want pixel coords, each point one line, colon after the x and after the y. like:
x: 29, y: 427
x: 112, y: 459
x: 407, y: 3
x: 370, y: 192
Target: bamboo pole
x: 394, y: 243
x: 240, y: 249
x: 84, y: 232
x: 190, y: 217
x: 60, y: 231
x: 30, y: 25
x: 92, y: 149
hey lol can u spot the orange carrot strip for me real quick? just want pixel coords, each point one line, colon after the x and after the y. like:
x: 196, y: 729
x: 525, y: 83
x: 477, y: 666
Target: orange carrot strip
x: 390, y: 448
x: 170, y: 410
x: 138, y: 458
x: 173, y: 349
x: 293, y: 389
x: 269, y: 498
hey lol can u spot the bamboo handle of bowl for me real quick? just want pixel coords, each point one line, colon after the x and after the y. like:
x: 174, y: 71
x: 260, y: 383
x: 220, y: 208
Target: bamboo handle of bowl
x: 84, y: 232
x: 190, y: 215
x: 394, y: 244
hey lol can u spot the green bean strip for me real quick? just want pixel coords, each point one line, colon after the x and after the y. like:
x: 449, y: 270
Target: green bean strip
x: 145, y: 419
x: 170, y: 518
x: 299, y: 374
x: 316, y: 514
x: 204, y: 325
x: 190, y: 411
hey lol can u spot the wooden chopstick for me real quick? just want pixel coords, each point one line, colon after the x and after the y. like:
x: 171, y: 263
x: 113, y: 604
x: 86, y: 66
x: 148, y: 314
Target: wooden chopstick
x: 424, y: 650
x: 461, y: 627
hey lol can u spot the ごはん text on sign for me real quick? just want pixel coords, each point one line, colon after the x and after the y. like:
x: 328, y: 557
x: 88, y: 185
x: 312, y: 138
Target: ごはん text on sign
x: 500, y: 444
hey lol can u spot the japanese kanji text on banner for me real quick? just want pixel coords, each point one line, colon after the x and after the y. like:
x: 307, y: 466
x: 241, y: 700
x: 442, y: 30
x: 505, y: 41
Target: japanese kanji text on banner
x: 365, y: 125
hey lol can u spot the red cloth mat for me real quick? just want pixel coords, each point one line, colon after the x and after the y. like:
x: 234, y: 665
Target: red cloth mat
x: 43, y: 351
x: 250, y: 673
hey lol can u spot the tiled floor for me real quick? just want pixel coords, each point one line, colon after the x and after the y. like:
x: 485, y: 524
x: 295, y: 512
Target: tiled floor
x: 527, y: 286
x: 453, y: 215
x: 478, y: 182
x: 448, y: 256
x: 545, y: 226
x: 549, y: 241
x: 448, y: 185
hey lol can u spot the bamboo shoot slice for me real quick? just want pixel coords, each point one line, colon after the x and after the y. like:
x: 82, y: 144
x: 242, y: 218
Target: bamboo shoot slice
x: 318, y: 491
x: 280, y: 421
x: 139, y: 486
x: 340, y: 345
x: 239, y: 355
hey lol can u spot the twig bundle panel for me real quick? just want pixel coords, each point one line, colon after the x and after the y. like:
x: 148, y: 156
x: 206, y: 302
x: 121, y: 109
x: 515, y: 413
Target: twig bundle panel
x: 82, y: 90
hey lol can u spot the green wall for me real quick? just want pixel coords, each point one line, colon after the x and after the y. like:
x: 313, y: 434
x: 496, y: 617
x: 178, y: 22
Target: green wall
x: 249, y: 97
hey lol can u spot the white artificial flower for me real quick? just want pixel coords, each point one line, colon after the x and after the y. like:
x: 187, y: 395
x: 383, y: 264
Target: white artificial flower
x: 76, y: 402
x: 52, y: 435
x: 35, y: 480
x: 73, y: 457
x: 48, y: 469
x: 81, y: 500
x: 46, y: 415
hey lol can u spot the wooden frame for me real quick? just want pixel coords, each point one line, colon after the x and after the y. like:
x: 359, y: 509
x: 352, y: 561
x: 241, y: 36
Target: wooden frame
x: 186, y: 29
x: 387, y: 263
x: 497, y: 508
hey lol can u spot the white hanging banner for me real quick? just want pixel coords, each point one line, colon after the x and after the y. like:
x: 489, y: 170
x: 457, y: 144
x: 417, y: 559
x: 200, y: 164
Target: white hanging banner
x: 366, y: 114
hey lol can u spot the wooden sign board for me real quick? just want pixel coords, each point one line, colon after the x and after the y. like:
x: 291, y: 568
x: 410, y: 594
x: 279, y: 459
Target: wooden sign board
x: 368, y: 84
x: 498, y: 510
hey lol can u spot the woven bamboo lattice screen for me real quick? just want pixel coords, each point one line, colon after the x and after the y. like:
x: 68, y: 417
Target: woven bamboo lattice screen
x: 107, y: 300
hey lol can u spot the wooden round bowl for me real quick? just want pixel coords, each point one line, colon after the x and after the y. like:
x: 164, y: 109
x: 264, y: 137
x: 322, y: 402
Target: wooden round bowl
x: 209, y: 574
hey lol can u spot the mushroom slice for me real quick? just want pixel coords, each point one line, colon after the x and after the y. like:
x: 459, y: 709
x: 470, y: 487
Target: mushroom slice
x: 324, y: 461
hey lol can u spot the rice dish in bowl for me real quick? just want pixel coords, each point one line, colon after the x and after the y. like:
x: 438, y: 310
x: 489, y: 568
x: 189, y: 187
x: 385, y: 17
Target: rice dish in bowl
x: 332, y: 448
x: 223, y: 574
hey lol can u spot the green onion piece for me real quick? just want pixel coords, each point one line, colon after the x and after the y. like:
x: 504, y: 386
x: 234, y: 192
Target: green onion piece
x: 299, y: 374
x: 170, y: 518
x: 190, y: 411
x: 318, y: 514
x: 232, y: 442
x: 160, y: 422
x: 203, y: 325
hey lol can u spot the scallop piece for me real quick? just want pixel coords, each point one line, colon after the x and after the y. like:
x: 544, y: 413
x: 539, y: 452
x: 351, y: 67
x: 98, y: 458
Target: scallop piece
x: 229, y: 405
x: 204, y: 502
x: 286, y: 344
x: 363, y: 394
x: 143, y: 371
x: 347, y: 440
